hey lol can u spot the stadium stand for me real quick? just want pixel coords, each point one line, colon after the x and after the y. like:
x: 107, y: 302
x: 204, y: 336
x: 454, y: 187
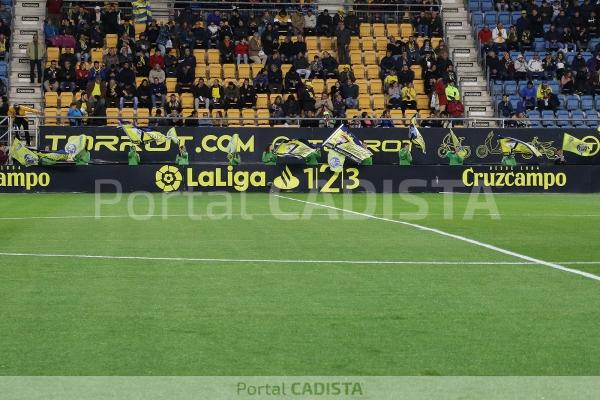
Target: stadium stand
x: 544, y: 57
x: 294, y: 61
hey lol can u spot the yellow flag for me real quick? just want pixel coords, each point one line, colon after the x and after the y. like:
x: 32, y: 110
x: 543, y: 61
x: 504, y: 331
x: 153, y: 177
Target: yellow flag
x: 578, y: 146
x: 414, y: 135
x: 508, y: 145
x: 22, y: 154
x: 335, y: 160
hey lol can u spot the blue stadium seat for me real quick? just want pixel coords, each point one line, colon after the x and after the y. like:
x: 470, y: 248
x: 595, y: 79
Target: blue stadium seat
x: 487, y: 5
x: 547, y: 117
x: 515, y: 16
x: 504, y: 17
x: 587, y: 55
x: 474, y: 5
x: 554, y: 85
x: 591, y: 119
x: 572, y: 103
x: 597, y: 102
x: 562, y: 118
x: 477, y: 18
x: 514, y: 100
x: 497, y: 88
x: 539, y: 45
x: 510, y: 88
x: 577, y: 118
x: 490, y: 18
x: 587, y: 103
x: 535, y: 118
x: 3, y: 69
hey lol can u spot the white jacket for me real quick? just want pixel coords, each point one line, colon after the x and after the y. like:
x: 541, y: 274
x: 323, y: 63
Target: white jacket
x: 535, y: 65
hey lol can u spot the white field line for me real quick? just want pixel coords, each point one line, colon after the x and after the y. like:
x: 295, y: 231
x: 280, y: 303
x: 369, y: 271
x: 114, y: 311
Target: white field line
x: 301, y: 215
x: 274, y: 261
x: 454, y: 236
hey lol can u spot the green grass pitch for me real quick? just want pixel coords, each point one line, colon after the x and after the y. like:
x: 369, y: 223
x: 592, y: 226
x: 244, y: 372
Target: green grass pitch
x: 172, y: 316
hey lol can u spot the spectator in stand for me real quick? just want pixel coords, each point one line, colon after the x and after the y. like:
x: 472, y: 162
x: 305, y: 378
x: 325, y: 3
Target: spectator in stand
x: 185, y: 79
x: 74, y: 114
x: 343, y: 36
x: 51, y: 75
x: 409, y: 97
x: 291, y: 81
x: 126, y: 77
x: 216, y: 95
x: 3, y: 155
x: 157, y: 59
x: 81, y: 76
x: 231, y: 95
x: 366, y: 121
x: 270, y: 40
x: 301, y: 66
x: 158, y: 92
x: 323, y: 104
x: 247, y: 94
x: 291, y: 108
x: 157, y: 73
x: 275, y: 79
x: 421, y: 24
x: 552, y: 38
x: 499, y: 36
x: 110, y: 20
x: 310, y: 23
x: 316, y: 68
x: 395, y: 95
x: 544, y: 97
x: 298, y: 22
x: 512, y: 41
x: 144, y: 94
x: 201, y: 93
x: 324, y: 24
x: 192, y: 119
x: 241, y: 51
x: 67, y: 78
x: 567, y: 83
x: 390, y: 79
x: 484, y: 35
x: 205, y: 120
x: 50, y: 30
x: 261, y: 82
x: 36, y: 50
x: 255, y: 49
x: 528, y: 94
x: 339, y: 106
x: 350, y: 94
x: 128, y: 97
x: 535, y: 67
x: 346, y: 75
x: 287, y: 50
x: 226, y: 49
x: 82, y: 49
x: 522, y: 23
x: 549, y: 65
x: 505, y: 107
x: 520, y: 66
x: 276, y: 109
x: 406, y: 75
x: 330, y: 65
x: 173, y: 105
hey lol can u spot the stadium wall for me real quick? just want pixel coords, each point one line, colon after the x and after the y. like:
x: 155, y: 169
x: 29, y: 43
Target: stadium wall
x: 208, y: 144
x: 298, y: 178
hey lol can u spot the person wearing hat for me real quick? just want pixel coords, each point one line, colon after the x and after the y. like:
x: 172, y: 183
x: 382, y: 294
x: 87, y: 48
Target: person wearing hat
x: 535, y: 67
x: 520, y: 68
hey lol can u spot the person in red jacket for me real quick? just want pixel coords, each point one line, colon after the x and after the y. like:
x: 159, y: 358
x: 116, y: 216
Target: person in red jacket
x: 485, y: 35
x: 157, y: 58
x: 241, y: 51
x: 440, y: 90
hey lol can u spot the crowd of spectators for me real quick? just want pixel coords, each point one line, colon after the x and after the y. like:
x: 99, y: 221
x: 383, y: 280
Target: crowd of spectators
x: 133, y: 72
x: 552, y: 44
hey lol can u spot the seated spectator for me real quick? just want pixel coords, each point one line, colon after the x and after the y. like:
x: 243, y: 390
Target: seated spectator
x: 51, y: 75
x: 330, y: 65
x: 283, y: 22
x: 270, y: 40
x: 291, y: 108
x: 350, y: 94
x: 545, y: 98
x: 111, y: 57
x: 395, y: 95
x: 173, y: 105
x: 159, y: 119
x: 409, y: 97
x: 301, y: 66
x: 126, y: 76
x: 144, y: 94
x: 316, y: 68
x: 81, y: 76
x: 561, y: 65
x: 406, y: 75
x: 175, y: 118
x: 247, y: 94
x: 323, y: 104
x: 128, y: 97
x: 512, y: 40
x: 549, y: 65
x: 287, y: 50
x: 346, y: 75
x: 276, y: 109
x: 261, y: 82
x: 231, y: 95
x: 324, y: 24
x: 366, y: 121
x: 390, y: 78
x: 526, y: 40
x: 185, y: 79
x: 82, y: 50
x: 255, y: 49
x: 387, y: 63
x: 74, y: 114
x: 535, y: 67
x: 339, y: 106
x: 292, y: 80
x: 171, y: 63
x: 219, y: 120
x: 528, y: 93
x: 201, y: 93
x: 205, y: 120
x: 158, y: 92
x: 157, y: 73
x: 216, y: 95
x: 421, y: 24
x: 96, y: 89
x: 505, y: 107
x: 567, y: 83
x: 307, y: 97
x: 192, y: 119
x: 241, y: 51
x: 141, y: 66
x: 66, y: 77
x: 435, y: 25
x: 157, y: 59
x: 385, y: 121
x: 310, y: 23
x: 50, y: 30
x: 94, y: 71
x: 552, y: 37
x: 275, y: 79
x: 520, y: 66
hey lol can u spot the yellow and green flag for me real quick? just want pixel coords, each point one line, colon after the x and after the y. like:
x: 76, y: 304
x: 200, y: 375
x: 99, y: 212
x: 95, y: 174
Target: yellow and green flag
x: 414, y: 135
x: 578, y: 146
x: 335, y: 160
x: 511, y: 145
x: 74, y: 146
x: 22, y: 154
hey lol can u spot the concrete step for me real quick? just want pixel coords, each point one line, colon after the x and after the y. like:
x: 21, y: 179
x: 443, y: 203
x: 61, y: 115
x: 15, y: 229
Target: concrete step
x: 19, y: 77
x: 467, y: 42
x: 475, y: 96
x: 480, y: 110
x: 25, y: 91
x: 454, y: 11
x: 463, y: 53
x: 472, y: 80
x: 19, y: 63
x: 30, y: 8
x: 26, y: 34
x: 27, y: 21
x: 18, y: 49
x: 457, y: 25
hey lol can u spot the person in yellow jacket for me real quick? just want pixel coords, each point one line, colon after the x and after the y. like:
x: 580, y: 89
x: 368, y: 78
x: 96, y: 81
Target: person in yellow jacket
x: 36, y: 51
x: 452, y: 92
x: 20, y: 121
x: 542, y: 95
x: 409, y: 97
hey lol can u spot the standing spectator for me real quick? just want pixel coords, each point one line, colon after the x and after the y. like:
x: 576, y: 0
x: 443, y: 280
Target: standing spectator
x: 343, y: 36
x: 350, y: 94
x: 36, y: 50
x: 74, y: 114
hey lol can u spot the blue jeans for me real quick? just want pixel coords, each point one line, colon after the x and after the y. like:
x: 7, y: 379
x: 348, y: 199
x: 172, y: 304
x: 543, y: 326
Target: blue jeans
x: 154, y: 98
x: 67, y: 86
x: 351, y: 103
x: 122, y: 102
x: 423, y: 30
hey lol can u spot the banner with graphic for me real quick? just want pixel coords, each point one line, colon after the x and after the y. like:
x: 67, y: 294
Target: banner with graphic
x: 170, y: 178
x: 479, y: 145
